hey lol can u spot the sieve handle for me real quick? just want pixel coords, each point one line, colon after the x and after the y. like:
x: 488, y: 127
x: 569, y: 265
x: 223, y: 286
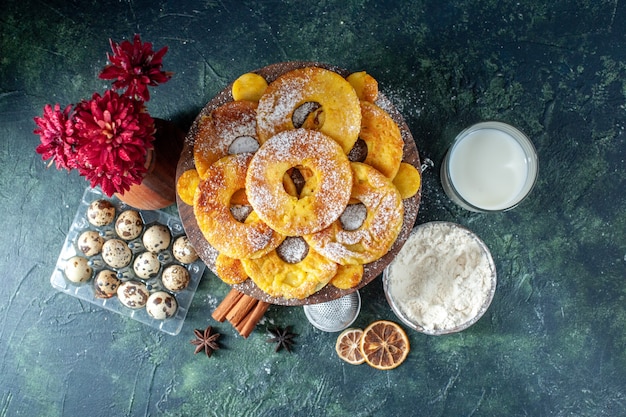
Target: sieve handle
x: 427, y: 164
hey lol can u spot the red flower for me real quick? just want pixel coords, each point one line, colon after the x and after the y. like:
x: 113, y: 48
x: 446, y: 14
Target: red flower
x: 135, y: 66
x: 113, y: 134
x: 107, y: 138
x: 56, y: 130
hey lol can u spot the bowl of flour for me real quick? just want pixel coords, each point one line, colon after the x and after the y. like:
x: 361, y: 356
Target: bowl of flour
x: 442, y: 280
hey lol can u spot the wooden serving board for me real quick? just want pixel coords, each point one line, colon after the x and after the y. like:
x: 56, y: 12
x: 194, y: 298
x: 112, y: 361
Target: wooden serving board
x: 208, y: 254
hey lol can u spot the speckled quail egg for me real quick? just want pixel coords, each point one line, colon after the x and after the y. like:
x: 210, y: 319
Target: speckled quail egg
x: 116, y: 253
x: 100, y: 212
x: 175, y: 278
x: 90, y: 242
x: 129, y: 225
x: 146, y: 265
x: 106, y: 284
x: 157, y: 238
x: 183, y: 251
x: 161, y: 305
x: 133, y: 294
x: 77, y: 269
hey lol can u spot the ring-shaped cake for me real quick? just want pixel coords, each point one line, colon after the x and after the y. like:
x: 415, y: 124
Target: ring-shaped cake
x: 286, y: 213
x: 372, y: 270
x: 218, y: 130
x: 380, y: 228
x: 338, y: 115
x: 220, y: 228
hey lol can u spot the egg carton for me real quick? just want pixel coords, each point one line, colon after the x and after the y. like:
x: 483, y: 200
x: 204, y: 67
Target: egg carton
x: 85, y: 291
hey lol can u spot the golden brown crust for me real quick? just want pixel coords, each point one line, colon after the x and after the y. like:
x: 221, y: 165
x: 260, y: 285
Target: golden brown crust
x: 217, y: 132
x: 339, y: 105
x: 212, y: 210
x: 365, y: 85
x: 407, y: 180
x: 230, y: 270
x: 288, y: 214
x: 347, y: 276
x: 248, y: 86
x: 381, y: 226
x: 383, y: 139
x: 282, y: 279
x: 186, y: 185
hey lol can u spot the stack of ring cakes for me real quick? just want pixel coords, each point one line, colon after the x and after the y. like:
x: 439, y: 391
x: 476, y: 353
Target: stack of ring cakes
x: 298, y: 183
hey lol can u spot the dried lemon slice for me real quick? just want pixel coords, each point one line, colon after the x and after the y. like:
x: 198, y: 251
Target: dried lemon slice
x: 348, y: 346
x: 384, y: 344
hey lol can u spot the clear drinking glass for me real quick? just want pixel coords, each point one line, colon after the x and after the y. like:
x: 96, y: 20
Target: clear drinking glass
x: 490, y: 167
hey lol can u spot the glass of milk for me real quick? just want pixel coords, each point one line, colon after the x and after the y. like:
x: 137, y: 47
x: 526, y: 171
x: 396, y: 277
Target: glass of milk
x: 490, y: 167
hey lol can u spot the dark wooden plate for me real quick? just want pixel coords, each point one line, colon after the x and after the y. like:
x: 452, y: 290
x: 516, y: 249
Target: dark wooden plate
x: 208, y: 254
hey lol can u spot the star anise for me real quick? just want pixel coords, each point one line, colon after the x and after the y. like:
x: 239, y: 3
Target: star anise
x: 206, y: 341
x: 283, y: 338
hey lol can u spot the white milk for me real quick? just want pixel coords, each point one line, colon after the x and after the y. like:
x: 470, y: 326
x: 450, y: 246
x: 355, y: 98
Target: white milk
x: 490, y: 168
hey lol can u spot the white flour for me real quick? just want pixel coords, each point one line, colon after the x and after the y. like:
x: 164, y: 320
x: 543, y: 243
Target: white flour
x: 441, y: 277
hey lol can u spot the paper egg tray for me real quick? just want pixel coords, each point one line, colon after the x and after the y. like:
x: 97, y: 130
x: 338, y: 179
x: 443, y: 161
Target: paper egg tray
x: 85, y: 291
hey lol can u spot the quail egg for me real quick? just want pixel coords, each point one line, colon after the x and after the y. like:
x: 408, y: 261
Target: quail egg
x: 183, y: 251
x: 116, y: 253
x: 90, y: 242
x: 77, y: 269
x: 129, y: 225
x: 146, y: 265
x: 106, y: 284
x: 133, y: 294
x: 161, y: 305
x: 100, y: 212
x: 175, y: 278
x: 157, y: 238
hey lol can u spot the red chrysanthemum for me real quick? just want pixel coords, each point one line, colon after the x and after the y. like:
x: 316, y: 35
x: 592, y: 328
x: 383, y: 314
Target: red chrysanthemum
x: 135, y: 66
x: 113, y: 135
x: 56, y: 130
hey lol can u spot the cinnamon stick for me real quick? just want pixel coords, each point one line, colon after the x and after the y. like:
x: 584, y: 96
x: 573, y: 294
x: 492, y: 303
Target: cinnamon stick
x: 226, y: 305
x: 251, y: 320
x: 240, y: 309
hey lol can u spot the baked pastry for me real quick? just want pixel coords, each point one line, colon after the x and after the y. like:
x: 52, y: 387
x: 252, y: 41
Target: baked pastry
x: 383, y: 139
x: 407, y: 180
x: 347, y: 276
x: 338, y: 114
x: 230, y: 270
x: 212, y: 211
x: 217, y: 132
x: 279, y: 278
x: 288, y: 214
x: 248, y: 86
x: 186, y: 185
x: 299, y: 182
x: 372, y: 239
x: 365, y: 85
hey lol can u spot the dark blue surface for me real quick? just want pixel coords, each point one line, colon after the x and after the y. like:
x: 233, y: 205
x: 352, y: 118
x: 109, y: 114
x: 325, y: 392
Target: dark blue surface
x: 553, y: 342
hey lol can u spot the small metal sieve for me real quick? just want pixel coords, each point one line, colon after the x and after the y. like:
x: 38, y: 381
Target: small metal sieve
x: 334, y: 315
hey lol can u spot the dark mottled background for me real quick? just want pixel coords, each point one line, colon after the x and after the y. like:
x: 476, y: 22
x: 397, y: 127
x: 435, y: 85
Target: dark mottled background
x: 554, y: 340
